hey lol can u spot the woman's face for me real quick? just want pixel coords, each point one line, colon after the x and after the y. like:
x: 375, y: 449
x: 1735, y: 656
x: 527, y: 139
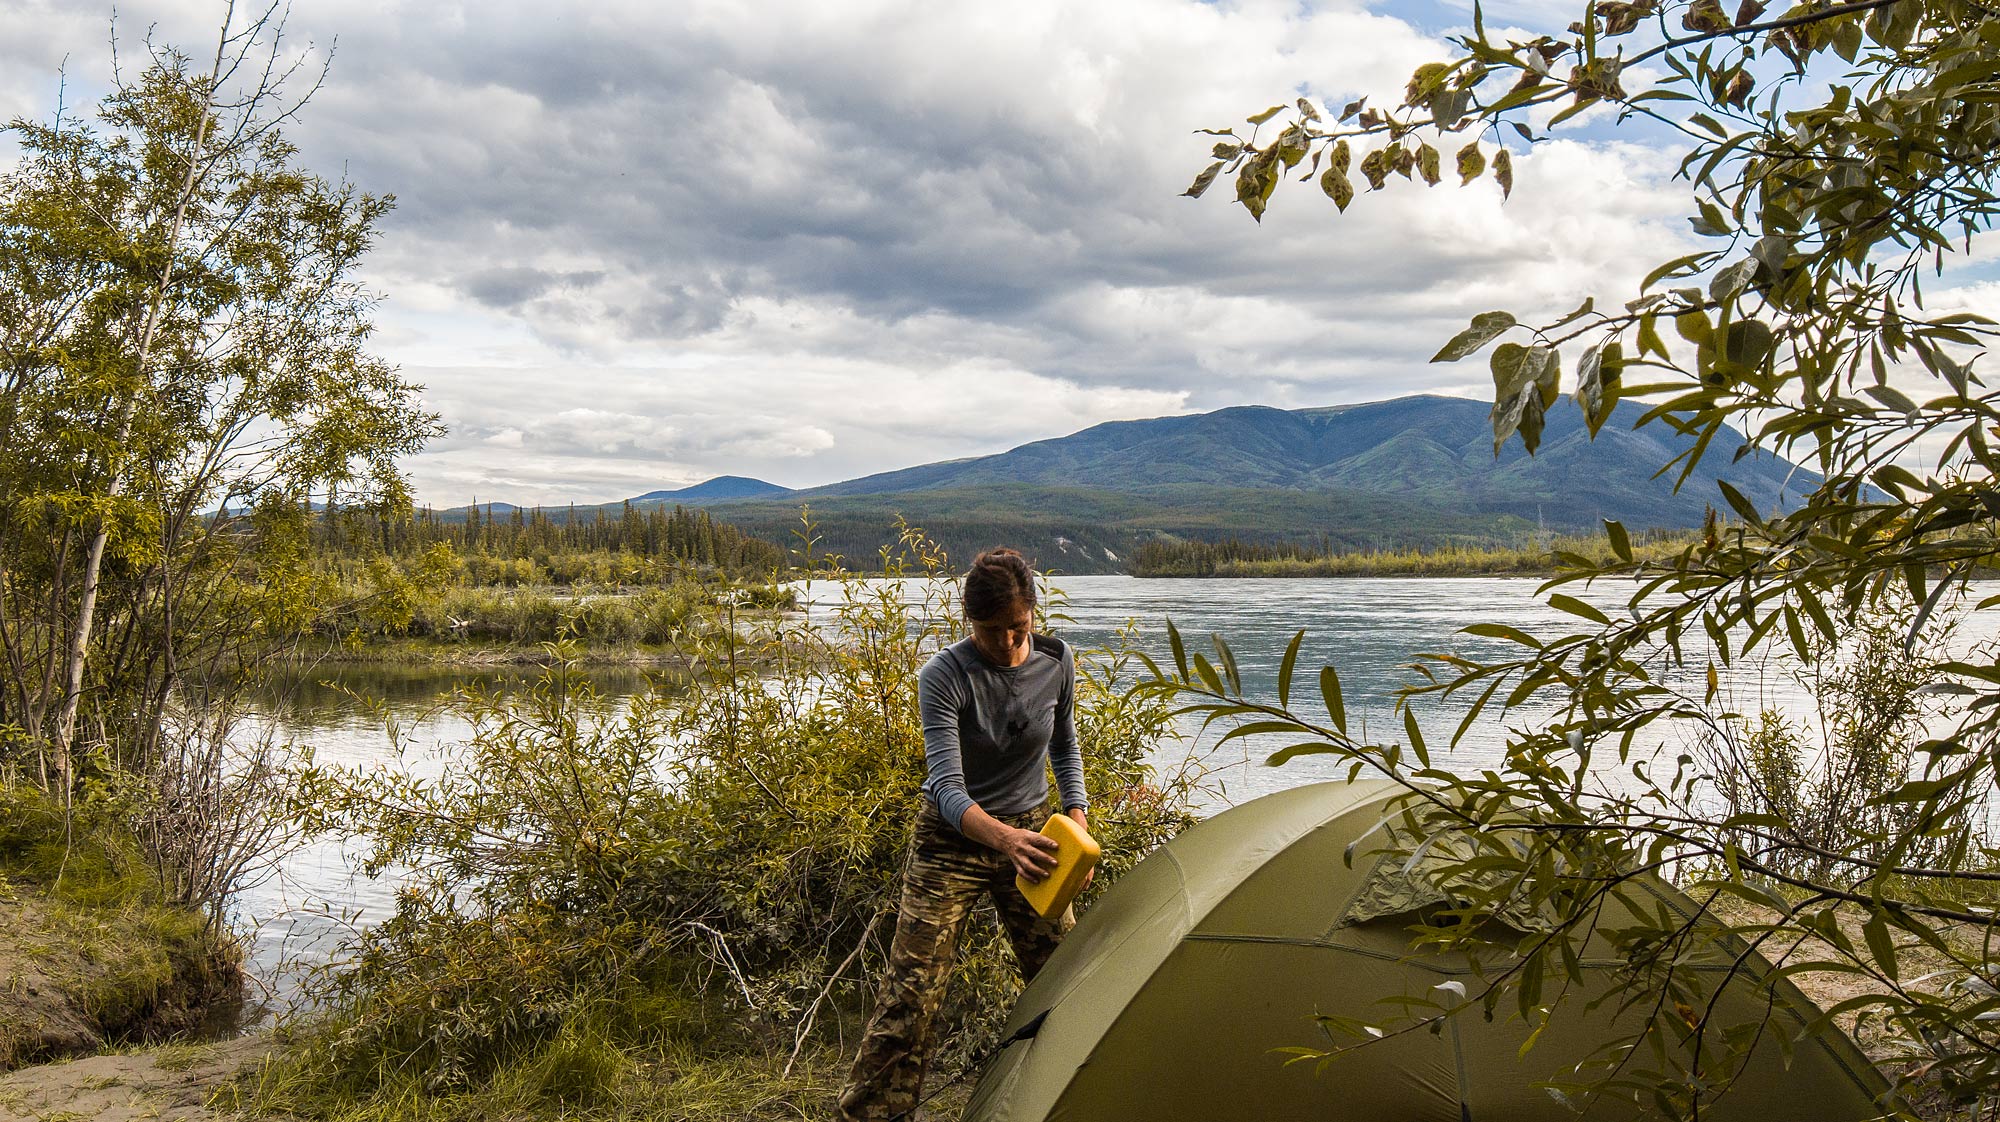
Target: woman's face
x: 1005, y: 638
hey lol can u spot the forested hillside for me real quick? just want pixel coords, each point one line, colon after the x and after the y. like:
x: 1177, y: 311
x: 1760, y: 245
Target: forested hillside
x: 1413, y: 473
x: 1092, y: 530
x: 1436, y: 449
x: 511, y: 545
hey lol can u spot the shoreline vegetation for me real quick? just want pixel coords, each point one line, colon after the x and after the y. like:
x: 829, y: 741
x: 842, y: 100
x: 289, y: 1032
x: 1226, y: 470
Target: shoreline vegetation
x: 473, y: 595
x: 494, y: 591
x: 1542, y: 556
x: 488, y: 590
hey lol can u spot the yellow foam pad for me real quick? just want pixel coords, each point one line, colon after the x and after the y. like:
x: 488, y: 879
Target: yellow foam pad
x: 1076, y: 854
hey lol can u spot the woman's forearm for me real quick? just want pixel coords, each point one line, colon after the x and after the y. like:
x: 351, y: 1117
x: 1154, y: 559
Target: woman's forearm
x: 1033, y: 855
x: 984, y: 828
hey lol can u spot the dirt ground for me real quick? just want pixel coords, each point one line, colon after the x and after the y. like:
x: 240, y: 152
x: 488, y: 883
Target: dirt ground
x: 168, y: 1084
x: 36, y: 1019
x: 46, y: 975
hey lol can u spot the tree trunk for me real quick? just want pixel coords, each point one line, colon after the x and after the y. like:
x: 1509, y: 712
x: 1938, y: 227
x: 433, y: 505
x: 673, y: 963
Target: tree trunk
x: 79, y: 644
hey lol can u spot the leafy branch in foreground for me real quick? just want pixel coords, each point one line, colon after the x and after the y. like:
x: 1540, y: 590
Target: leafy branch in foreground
x: 1836, y: 152
x: 1529, y: 857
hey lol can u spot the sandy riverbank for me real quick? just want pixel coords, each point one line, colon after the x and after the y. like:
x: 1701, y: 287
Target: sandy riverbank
x: 172, y: 1083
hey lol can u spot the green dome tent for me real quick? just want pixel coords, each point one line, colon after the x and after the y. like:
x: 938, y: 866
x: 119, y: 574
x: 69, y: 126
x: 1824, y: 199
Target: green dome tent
x: 1169, y: 998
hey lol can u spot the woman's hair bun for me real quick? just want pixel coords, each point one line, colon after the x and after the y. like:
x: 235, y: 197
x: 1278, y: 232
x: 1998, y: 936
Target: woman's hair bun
x: 998, y: 578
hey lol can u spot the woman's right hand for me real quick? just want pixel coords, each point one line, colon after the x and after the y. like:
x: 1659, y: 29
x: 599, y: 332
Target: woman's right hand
x: 1033, y: 854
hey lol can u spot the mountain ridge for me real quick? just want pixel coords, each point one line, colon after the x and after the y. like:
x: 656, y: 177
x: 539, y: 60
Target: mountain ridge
x: 1422, y: 446
x: 1410, y: 472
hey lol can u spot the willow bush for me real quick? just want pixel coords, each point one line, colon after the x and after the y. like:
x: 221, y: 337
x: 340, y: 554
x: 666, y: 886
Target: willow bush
x: 1839, y: 155
x: 711, y: 869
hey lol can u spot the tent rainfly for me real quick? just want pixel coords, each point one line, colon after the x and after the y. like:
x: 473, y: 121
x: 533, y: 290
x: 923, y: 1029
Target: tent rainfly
x: 1169, y: 999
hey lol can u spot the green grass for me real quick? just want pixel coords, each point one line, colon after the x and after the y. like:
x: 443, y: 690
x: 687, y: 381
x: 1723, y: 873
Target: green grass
x: 586, y: 1072
x: 178, y: 1056
x: 455, y: 620
x: 88, y: 912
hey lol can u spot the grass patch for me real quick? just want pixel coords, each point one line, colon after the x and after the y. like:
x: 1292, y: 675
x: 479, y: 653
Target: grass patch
x: 87, y: 920
x: 693, y: 1062
x: 181, y: 1056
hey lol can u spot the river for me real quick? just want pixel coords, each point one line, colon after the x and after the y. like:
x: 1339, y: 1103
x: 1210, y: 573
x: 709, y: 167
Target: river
x: 1369, y: 628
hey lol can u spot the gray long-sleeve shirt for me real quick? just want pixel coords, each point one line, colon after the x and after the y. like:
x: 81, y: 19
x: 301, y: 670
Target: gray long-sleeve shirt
x: 990, y: 731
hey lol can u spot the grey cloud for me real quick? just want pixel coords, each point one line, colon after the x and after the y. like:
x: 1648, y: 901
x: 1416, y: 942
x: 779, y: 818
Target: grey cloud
x: 506, y: 288
x: 509, y: 287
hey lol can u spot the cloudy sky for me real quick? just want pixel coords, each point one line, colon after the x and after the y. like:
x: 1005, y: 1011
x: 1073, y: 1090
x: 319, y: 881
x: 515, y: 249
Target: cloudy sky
x: 639, y: 244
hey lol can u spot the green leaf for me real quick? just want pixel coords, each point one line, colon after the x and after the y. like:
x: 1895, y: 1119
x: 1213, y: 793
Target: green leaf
x: 1486, y: 326
x: 1880, y: 945
x: 1506, y: 366
x: 1260, y: 118
x: 1256, y: 180
x: 1731, y: 280
x: 1577, y: 607
x: 1228, y: 658
x: 1679, y: 266
x: 1693, y: 325
x: 1598, y: 376
x: 1711, y: 222
x: 1502, y: 631
x: 1336, y: 706
x: 1621, y: 544
x: 1472, y: 713
x: 1256, y: 728
x: 1304, y: 748
x: 1740, y: 503
x: 1817, y: 611
x: 1709, y: 123
x: 1893, y: 398
x: 1207, y: 673
x: 1337, y: 187
x: 1471, y: 163
x: 1416, y: 736
x: 1375, y: 168
x: 1285, y: 668
x: 1797, y: 633
x: 1649, y: 337
x: 1747, y: 343
x: 1588, y: 306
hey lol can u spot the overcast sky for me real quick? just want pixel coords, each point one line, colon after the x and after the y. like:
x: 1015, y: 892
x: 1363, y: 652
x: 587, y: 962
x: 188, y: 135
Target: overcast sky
x: 642, y: 244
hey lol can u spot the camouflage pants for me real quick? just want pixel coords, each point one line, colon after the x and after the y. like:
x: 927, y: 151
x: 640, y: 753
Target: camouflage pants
x: 943, y: 878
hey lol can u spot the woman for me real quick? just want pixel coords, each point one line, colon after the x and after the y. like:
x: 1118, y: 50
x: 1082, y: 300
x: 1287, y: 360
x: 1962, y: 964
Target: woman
x: 997, y: 712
